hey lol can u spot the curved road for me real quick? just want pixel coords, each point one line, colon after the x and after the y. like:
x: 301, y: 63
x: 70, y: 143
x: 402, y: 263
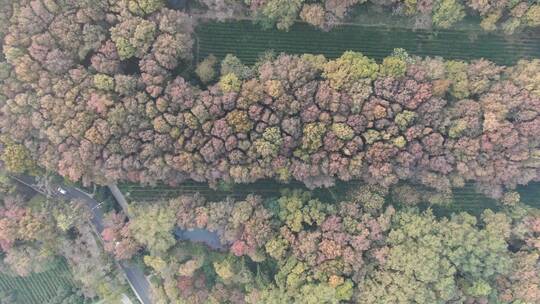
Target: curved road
x: 134, y: 275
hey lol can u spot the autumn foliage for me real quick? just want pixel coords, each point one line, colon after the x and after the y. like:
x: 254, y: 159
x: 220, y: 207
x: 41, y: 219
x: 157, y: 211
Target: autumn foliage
x: 36, y: 232
x: 92, y: 94
x: 299, y: 249
x: 508, y: 16
x: 101, y: 102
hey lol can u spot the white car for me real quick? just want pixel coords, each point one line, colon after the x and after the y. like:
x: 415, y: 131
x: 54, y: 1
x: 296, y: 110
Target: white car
x: 61, y: 190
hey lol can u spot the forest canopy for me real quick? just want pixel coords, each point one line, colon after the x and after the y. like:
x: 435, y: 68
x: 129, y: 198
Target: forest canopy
x: 36, y: 233
x: 101, y: 92
x: 298, y: 249
x: 505, y: 16
x: 94, y: 93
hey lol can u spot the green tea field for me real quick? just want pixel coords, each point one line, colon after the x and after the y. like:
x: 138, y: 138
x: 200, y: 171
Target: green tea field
x: 465, y: 199
x: 247, y: 41
x: 38, y: 288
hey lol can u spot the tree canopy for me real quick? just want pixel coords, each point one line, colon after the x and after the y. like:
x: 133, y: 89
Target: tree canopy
x: 296, y: 248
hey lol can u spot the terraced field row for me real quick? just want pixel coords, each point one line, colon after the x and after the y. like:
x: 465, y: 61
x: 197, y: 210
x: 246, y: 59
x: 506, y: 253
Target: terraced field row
x: 135, y: 192
x: 248, y: 41
x: 465, y: 199
x: 38, y: 288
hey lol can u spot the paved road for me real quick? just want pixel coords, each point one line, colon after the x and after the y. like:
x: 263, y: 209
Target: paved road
x: 134, y: 275
x: 138, y: 281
